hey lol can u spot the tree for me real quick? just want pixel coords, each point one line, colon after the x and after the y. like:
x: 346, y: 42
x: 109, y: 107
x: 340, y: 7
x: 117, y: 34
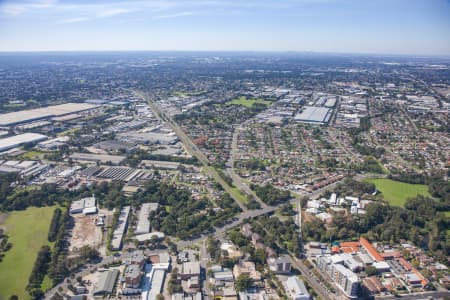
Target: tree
x: 172, y: 246
x: 154, y: 241
x: 371, y: 271
x: 160, y: 297
x: 243, y: 283
x: 259, y: 256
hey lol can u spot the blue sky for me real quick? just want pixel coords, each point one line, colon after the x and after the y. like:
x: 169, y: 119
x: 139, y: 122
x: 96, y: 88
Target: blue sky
x: 360, y: 26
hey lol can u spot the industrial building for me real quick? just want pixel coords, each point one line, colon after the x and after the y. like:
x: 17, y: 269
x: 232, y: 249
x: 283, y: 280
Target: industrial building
x: 156, y: 164
x: 142, y: 238
x: 116, y: 173
x: 143, y: 224
x: 114, y: 146
x: 53, y: 144
x: 86, y: 206
x: 106, y: 282
x: 26, y: 168
x: 24, y: 116
x: 295, y: 289
x: 116, y: 240
x: 20, y: 139
x: 157, y: 283
x: 101, y: 158
x: 155, y: 138
x: 314, y: 115
x: 123, y: 174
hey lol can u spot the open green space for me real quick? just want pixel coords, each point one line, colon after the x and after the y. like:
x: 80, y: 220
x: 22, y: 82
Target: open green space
x: 27, y: 231
x: 68, y: 132
x: 247, y: 102
x: 396, y: 192
x: 33, y: 154
x: 239, y: 195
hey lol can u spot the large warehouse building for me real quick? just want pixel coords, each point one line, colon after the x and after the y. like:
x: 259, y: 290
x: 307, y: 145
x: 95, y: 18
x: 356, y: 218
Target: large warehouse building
x: 314, y: 115
x: 30, y: 115
x: 20, y: 139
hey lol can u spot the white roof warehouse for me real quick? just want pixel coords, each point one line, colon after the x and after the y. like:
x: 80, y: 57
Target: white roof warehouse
x: 29, y: 115
x: 20, y: 139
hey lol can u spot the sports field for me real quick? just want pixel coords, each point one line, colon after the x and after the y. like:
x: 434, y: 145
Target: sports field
x: 247, y: 102
x: 27, y: 232
x: 396, y: 192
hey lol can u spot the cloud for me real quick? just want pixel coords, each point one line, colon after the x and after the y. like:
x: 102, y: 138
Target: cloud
x: 74, y: 20
x: 78, y: 11
x: 174, y: 15
x: 18, y: 8
x: 113, y: 12
x: 99, y: 14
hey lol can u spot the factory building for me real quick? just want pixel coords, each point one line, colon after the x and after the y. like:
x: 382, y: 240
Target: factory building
x: 314, y: 115
x: 116, y: 241
x: 20, y: 139
x: 100, y: 158
x: 106, y: 282
x: 86, y: 206
x: 24, y: 116
x: 143, y: 225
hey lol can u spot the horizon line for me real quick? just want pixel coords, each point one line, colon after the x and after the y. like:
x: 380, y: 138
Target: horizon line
x: 447, y: 55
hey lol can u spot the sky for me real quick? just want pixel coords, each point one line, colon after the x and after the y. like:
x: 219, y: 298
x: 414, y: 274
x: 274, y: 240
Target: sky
x: 417, y: 27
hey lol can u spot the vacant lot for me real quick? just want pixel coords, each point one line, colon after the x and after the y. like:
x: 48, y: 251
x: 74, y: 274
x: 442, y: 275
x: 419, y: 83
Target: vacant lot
x: 27, y: 232
x: 85, y: 233
x: 247, y: 102
x: 396, y: 192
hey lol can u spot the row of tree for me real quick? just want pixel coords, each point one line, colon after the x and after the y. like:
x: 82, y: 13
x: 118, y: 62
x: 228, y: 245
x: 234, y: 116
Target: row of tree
x: 54, y: 225
x: 38, y: 273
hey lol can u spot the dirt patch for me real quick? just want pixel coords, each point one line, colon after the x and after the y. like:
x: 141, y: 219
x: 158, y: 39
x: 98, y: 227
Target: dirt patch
x: 85, y: 232
x: 3, y: 217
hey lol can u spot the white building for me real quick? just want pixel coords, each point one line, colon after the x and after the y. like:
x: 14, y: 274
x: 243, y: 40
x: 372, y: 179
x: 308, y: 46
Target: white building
x: 344, y: 278
x: 20, y: 139
x: 116, y: 241
x: 86, y: 206
x: 295, y: 289
x: 143, y: 225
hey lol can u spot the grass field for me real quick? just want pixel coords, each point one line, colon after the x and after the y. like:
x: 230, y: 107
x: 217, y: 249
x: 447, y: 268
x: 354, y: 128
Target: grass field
x: 396, y: 192
x: 247, y: 102
x: 68, y: 132
x: 33, y: 154
x: 27, y: 232
x: 239, y: 195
